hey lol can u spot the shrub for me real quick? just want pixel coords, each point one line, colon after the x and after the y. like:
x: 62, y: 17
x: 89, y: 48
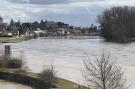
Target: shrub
x: 14, y: 63
x: 10, y: 62
x: 48, y: 75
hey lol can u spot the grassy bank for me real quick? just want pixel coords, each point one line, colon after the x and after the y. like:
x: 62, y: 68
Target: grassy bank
x: 62, y: 83
x: 66, y: 84
x: 14, y: 39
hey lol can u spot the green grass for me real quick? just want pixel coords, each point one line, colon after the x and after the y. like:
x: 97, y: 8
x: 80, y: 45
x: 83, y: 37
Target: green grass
x: 14, y: 39
x: 66, y: 84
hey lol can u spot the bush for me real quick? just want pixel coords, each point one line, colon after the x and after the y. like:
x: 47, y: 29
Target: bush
x: 10, y: 62
x: 48, y: 75
x: 14, y: 63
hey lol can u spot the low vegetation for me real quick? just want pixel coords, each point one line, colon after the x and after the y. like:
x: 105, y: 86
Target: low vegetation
x: 11, y: 63
x: 7, y: 61
x: 48, y: 75
x: 14, y: 63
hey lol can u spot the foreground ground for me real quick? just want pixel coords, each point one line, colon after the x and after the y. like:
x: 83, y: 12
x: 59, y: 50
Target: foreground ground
x: 62, y: 83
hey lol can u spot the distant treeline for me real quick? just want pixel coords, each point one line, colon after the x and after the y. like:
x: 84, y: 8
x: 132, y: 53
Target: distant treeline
x: 118, y: 24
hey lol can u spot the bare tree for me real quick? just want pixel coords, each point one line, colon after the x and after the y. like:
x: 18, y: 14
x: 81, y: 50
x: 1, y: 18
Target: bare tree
x: 101, y: 73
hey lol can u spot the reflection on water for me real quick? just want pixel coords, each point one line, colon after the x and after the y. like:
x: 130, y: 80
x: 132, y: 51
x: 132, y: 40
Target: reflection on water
x: 72, y: 37
x: 9, y: 85
x: 68, y: 55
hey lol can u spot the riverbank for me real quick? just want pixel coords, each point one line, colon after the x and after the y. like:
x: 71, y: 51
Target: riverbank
x: 14, y: 39
x: 18, y: 76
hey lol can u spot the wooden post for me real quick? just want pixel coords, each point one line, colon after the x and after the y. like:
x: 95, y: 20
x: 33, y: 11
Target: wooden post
x: 7, y: 52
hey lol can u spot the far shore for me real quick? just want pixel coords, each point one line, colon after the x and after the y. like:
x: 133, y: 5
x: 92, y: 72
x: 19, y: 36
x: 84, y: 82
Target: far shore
x: 14, y: 39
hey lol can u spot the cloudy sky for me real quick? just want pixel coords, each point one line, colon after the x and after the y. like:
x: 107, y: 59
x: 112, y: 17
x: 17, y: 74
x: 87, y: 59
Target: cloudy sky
x: 73, y: 12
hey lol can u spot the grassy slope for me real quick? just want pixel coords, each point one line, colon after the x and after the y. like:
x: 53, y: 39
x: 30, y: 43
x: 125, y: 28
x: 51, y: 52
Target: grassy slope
x: 62, y: 83
x: 65, y: 84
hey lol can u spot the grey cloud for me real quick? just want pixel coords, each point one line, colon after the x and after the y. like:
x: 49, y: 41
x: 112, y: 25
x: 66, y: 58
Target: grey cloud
x: 18, y: 1
x: 57, y: 1
x: 48, y: 1
x: 39, y: 1
x: 44, y: 2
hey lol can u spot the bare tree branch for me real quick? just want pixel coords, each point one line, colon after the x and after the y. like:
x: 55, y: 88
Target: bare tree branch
x: 101, y: 73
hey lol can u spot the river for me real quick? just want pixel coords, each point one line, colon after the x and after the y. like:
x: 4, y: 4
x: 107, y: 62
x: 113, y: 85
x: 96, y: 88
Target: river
x: 67, y: 55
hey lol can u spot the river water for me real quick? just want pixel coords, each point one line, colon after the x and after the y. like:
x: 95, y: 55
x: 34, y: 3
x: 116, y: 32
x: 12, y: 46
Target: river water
x: 67, y: 55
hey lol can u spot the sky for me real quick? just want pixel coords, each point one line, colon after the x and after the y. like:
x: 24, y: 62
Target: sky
x: 74, y: 12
